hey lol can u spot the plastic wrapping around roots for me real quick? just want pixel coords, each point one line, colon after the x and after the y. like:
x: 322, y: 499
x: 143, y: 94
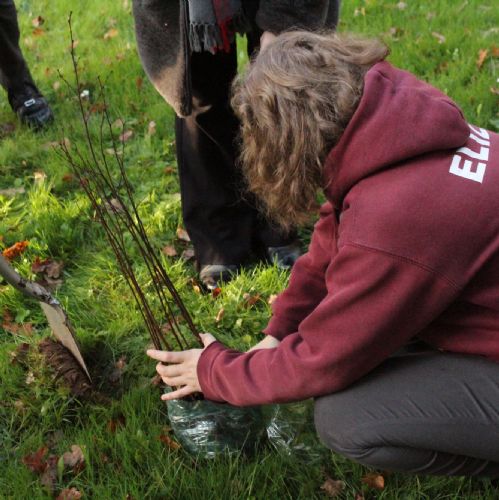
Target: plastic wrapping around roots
x: 291, y: 431
x: 209, y: 429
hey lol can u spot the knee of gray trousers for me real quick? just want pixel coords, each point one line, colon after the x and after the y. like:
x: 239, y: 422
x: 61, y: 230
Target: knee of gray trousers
x: 334, y: 430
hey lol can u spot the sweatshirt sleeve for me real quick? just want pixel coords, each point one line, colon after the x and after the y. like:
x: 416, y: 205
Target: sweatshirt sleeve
x: 307, y: 286
x: 281, y: 15
x: 376, y: 303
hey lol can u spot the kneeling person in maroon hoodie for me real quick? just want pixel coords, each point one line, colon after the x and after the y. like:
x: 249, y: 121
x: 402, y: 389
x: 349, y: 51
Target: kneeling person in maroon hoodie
x: 391, y: 320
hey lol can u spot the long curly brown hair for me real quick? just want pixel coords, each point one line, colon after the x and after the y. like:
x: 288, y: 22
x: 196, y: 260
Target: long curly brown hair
x: 294, y: 101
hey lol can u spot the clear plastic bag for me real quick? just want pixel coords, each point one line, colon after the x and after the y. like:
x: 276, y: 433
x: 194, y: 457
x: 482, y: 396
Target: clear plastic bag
x: 208, y: 429
x: 291, y: 431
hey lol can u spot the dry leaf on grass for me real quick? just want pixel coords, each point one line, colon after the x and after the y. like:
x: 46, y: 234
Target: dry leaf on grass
x: 69, y: 494
x: 37, y: 21
x: 220, y: 315
x: 112, y: 33
x: 375, y: 481
x: 151, y: 128
x: 36, y: 461
x: 250, y: 300
x: 182, y: 234
x: 74, y: 460
x: 48, y: 267
x: 169, y: 250
x: 438, y: 36
x: 49, y: 476
x: 332, y: 487
x: 482, y: 55
x: 15, y: 250
x: 116, y: 423
x: 169, y: 442
x: 126, y: 135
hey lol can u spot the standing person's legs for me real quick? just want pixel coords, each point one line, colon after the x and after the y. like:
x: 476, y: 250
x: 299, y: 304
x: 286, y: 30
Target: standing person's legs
x: 426, y: 413
x: 24, y: 96
x: 219, y: 220
x: 14, y: 72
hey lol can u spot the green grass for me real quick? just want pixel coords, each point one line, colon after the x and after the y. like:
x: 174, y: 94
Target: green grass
x: 54, y: 216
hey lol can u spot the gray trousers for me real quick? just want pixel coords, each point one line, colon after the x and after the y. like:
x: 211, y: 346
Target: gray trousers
x: 423, y: 412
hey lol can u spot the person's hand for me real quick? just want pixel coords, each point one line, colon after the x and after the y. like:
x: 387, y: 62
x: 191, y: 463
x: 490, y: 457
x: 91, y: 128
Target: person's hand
x: 181, y: 371
x: 266, y: 38
x: 268, y: 342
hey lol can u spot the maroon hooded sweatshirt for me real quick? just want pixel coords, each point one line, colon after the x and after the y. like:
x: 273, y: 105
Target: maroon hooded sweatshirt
x: 407, y: 246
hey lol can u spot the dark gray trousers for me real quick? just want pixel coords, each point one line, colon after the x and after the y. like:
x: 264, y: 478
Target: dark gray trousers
x: 422, y: 413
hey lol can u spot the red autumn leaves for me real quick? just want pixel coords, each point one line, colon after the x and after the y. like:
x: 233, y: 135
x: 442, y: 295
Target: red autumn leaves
x: 51, y: 469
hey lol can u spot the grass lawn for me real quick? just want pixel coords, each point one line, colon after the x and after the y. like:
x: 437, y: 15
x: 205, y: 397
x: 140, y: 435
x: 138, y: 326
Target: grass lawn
x: 439, y: 40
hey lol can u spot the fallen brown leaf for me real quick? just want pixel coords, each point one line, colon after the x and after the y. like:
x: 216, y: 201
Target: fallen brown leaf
x: 18, y: 355
x: 37, y: 21
x: 250, y: 300
x: 49, y: 268
x: 15, y: 250
x: 49, y: 476
x: 332, y: 487
x: 482, y: 55
x: 373, y: 480
x: 220, y: 315
x: 74, y: 460
x: 138, y: 82
x: 438, y: 36
x: 169, y: 250
x: 68, y: 177
x: 169, y: 442
x: 116, y: 423
x: 69, y: 494
x: 112, y: 33
x: 36, y: 461
x: 182, y: 234
x: 39, y: 176
x: 126, y: 135
x: 151, y: 128
x: 38, y: 31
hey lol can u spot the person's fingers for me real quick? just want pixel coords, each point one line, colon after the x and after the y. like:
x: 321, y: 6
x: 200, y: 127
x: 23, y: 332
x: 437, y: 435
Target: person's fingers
x: 167, y: 356
x: 169, y: 370
x: 178, y: 394
x: 207, y: 339
x: 174, y: 381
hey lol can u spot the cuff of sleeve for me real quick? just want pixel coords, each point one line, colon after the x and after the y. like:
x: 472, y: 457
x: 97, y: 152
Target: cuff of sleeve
x: 279, y: 327
x: 205, y: 364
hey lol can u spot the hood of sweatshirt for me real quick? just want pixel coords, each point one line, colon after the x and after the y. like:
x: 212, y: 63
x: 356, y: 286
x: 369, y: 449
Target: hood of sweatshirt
x: 398, y: 118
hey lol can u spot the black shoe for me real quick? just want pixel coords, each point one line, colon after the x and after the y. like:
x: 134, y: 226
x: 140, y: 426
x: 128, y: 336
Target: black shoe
x: 285, y: 256
x: 212, y: 275
x: 35, y: 112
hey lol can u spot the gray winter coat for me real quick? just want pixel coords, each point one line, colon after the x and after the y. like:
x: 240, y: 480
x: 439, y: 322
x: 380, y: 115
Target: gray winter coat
x: 161, y: 27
